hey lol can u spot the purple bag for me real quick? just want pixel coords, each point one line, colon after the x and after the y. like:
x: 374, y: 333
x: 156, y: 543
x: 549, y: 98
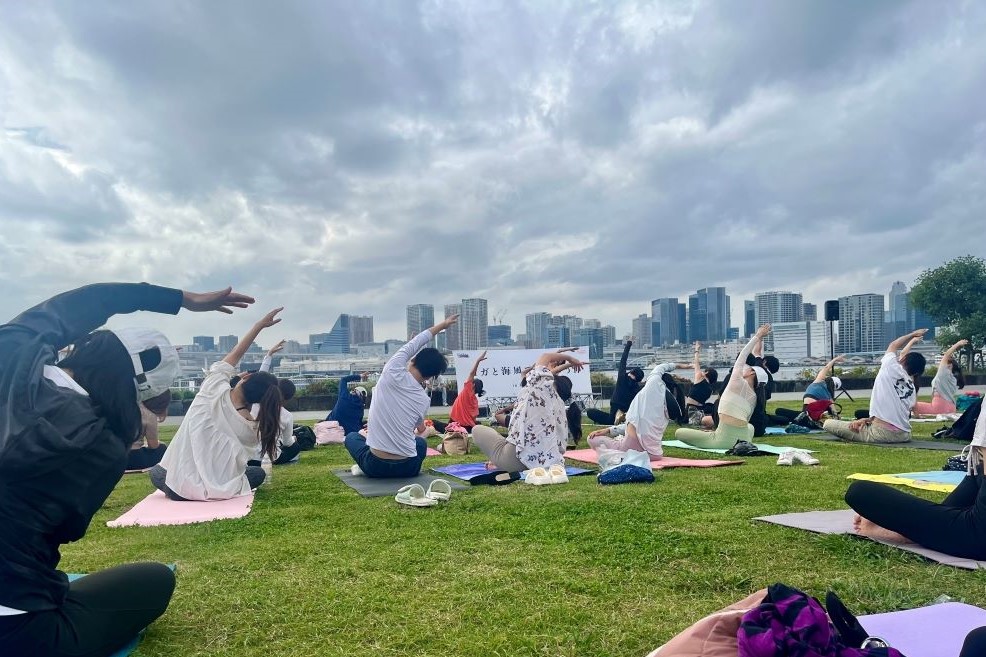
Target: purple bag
x: 790, y: 623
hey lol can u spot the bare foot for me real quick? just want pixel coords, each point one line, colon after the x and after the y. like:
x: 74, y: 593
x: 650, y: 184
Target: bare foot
x: 868, y: 528
x: 490, y: 465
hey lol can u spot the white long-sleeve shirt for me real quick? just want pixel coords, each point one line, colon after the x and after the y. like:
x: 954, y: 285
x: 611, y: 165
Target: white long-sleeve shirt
x: 285, y: 436
x: 648, y: 411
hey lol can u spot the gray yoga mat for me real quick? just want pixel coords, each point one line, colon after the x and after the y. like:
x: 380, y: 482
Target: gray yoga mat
x: 369, y: 487
x: 937, y: 445
x: 840, y: 522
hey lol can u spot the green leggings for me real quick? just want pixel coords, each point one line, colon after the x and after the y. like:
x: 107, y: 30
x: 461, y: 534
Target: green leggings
x: 724, y: 437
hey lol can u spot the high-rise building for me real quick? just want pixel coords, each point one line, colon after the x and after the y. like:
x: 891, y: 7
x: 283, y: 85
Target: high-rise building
x: 292, y: 347
x: 708, y: 315
x: 795, y: 341
x: 336, y: 341
x: 664, y: 321
x: 682, y: 323
x: 609, y: 335
x: 474, y: 324
x: 641, y: 331
x: 537, y: 329
x: 453, y: 334
x: 591, y: 323
x: 749, y: 318
x: 558, y: 336
x: 205, y: 342
x: 420, y: 317
x: 360, y: 329
x: 315, y: 342
x: 918, y: 319
x: 777, y: 308
x: 861, y: 324
x: 227, y: 343
x: 899, y: 302
x: 592, y: 338
x: 498, y: 335
x: 572, y: 323
x: 810, y: 312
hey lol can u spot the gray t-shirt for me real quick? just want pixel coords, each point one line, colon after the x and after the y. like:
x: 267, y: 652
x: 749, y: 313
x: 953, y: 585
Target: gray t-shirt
x: 399, y: 403
x: 945, y: 384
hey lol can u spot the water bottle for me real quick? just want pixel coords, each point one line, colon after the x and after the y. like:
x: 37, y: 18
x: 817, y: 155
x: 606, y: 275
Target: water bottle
x: 267, y: 467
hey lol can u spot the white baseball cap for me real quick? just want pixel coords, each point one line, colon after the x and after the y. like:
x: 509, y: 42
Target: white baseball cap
x: 837, y: 382
x: 360, y: 390
x: 761, y: 374
x: 140, y: 343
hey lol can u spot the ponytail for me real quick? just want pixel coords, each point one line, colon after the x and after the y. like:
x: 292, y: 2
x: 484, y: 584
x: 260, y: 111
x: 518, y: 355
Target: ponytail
x: 574, y: 416
x: 261, y: 388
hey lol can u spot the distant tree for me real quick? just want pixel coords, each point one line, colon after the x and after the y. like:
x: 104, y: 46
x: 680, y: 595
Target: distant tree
x: 954, y: 295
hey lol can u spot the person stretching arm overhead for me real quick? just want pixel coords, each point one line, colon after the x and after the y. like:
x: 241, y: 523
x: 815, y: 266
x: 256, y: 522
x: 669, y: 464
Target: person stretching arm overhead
x: 945, y: 386
x: 465, y: 409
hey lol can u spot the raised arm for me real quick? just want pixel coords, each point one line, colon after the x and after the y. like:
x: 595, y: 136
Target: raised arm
x: 234, y: 357
x: 910, y: 345
x: 827, y: 370
x: 741, y: 359
x: 475, y: 366
x: 623, y: 359
x: 559, y: 361
x: 758, y: 350
x: 404, y: 355
x: 269, y: 357
x: 946, y: 358
x: 899, y: 343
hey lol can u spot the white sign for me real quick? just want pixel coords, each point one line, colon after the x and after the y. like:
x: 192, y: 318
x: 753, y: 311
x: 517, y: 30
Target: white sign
x: 500, y: 372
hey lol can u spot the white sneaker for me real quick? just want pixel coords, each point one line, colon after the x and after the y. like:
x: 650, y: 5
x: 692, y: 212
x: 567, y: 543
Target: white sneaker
x: 786, y: 458
x: 356, y: 471
x: 801, y: 456
x: 558, y: 474
x: 538, y: 477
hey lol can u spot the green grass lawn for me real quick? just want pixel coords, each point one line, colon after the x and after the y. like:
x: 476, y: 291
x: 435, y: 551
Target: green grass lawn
x: 577, y: 569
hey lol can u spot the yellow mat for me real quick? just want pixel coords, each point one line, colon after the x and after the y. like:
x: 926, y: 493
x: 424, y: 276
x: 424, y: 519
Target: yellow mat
x: 900, y: 481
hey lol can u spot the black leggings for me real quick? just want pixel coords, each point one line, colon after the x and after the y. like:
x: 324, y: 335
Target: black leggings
x: 957, y: 526
x: 254, y: 474
x: 975, y: 643
x: 599, y: 416
x: 100, y: 615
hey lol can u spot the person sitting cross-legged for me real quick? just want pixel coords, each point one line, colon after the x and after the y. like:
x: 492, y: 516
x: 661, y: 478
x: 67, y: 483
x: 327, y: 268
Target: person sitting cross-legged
x: 893, y: 397
x: 398, y: 409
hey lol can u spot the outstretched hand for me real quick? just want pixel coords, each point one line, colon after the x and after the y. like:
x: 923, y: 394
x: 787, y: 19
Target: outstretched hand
x: 276, y: 348
x: 482, y: 357
x: 222, y: 300
x: 270, y: 318
x: 763, y: 331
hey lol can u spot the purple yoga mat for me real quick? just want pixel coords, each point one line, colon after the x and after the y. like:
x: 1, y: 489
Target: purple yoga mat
x: 467, y: 471
x: 935, y: 631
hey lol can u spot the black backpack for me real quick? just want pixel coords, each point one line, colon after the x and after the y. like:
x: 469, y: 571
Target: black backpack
x: 305, y: 436
x: 966, y: 424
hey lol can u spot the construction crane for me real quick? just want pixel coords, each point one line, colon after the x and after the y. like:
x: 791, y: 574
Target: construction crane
x: 498, y: 316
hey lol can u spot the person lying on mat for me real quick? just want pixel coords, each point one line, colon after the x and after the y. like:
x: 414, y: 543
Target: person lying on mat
x: 350, y: 404
x: 703, y: 385
x: 65, y: 430
x: 207, y: 458
x: 628, y: 383
x: 892, y: 398
x: 822, y: 388
x: 647, y: 417
x: 147, y: 450
x: 957, y: 526
x: 539, y: 427
x: 945, y: 386
x: 744, y: 393
x: 398, y: 410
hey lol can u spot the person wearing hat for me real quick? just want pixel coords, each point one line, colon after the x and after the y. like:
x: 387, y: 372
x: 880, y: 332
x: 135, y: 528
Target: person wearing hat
x: 65, y: 430
x: 742, y: 400
x: 628, y: 384
x: 348, y: 411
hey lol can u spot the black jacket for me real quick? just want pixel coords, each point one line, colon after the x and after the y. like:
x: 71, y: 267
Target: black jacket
x: 58, y: 459
x: 626, y: 388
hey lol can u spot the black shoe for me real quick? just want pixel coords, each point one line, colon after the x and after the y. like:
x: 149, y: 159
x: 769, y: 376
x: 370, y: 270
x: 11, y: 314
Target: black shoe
x: 495, y: 478
x: 944, y: 432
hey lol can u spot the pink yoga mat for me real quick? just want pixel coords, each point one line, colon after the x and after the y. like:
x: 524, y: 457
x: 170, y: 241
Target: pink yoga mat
x: 432, y: 452
x: 590, y: 456
x: 156, y: 509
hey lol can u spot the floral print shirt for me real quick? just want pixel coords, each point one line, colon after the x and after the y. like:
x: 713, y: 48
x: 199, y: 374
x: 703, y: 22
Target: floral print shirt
x: 538, y: 427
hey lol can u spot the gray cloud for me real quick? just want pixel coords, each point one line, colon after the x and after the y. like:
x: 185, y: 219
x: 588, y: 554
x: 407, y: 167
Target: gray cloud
x: 583, y: 158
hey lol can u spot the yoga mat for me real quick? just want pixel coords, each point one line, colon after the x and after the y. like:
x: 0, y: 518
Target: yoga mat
x: 571, y: 471
x: 433, y: 452
x: 132, y: 645
x: 779, y: 431
x: 156, y: 509
x: 590, y: 456
x: 938, y: 445
x: 933, y: 631
x: 370, y: 487
x: 761, y: 446
x: 943, y: 481
x: 840, y: 522
x: 469, y: 471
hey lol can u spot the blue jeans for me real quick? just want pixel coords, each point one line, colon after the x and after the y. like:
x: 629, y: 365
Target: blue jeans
x: 374, y: 466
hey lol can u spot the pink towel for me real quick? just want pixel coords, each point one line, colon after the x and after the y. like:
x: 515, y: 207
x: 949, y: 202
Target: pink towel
x: 590, y: 456
x: 156, y: 509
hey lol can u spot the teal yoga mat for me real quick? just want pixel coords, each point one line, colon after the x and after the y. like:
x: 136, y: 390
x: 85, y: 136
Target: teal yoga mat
x: 764, y: 447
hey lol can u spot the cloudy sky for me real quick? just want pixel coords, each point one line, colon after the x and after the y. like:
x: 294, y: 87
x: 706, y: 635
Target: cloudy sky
x: 572, y: 157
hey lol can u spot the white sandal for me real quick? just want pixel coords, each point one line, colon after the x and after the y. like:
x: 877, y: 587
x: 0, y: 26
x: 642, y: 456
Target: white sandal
x: 439, y: 490
x: 558, y: 474
x: 414, y: 495
x: 538, y: 477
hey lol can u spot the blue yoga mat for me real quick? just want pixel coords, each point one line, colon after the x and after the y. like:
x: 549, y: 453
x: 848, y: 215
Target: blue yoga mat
x: 467, y: 471
x: 779, y: 431
x: 935, y: 476
x: 130, y: 647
